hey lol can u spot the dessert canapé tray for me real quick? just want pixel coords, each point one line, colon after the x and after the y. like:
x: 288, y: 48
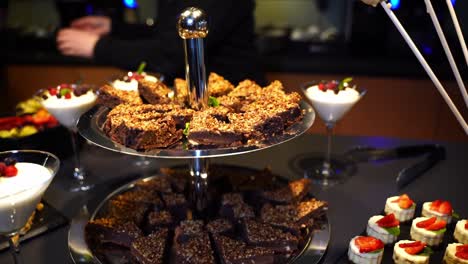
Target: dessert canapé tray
x: 91, y: 125
x: 437, y: 251
x: 245, y: 200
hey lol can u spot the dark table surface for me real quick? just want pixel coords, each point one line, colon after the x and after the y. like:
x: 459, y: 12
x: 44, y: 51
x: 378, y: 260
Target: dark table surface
x: 351, y: 203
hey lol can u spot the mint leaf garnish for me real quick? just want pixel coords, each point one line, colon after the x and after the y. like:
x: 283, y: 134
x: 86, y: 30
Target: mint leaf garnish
x: 141, y: 67
x: 440, y: 231
x: 393, y: 230
x: 376, y: 251
x: 342, y: 83
x: 186, y: 129
x: 426, y: 252
x: 455, y: 215
x: 213, y: 101
x: 64, y: 91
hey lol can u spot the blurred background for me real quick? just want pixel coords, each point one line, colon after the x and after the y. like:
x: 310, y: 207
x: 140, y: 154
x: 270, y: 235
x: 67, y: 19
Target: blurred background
x: 299, y: 40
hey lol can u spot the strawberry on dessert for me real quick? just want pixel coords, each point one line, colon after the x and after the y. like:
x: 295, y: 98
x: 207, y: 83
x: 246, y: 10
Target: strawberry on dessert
x: 402, y: 206
x: 385, y: 228
x: 130, y: 81
x: 365, y: 250
x: 408, y: 251
x: 429, y: 230
x: 456, y: 253
x: 8, y: 168
x: 441, y: 209
x: 461, y: 232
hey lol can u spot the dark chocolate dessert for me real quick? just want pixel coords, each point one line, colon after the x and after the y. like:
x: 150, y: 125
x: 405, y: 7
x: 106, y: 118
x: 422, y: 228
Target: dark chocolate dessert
x: 154, y: 92
x: 264, y: 235
x: 150, y: 249
x: 111, y: 230
x: 195, y: 250
x: 237, y: 252
x: 220, y: 226
x: 111, y: 97
x: 295, y: 191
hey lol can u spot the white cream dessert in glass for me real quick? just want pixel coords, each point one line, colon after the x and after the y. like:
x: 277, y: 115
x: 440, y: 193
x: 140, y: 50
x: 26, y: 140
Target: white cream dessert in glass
x: 67, y: 102
x: 461, y: 231
x: 69, y: 106
x: 24, y: 177
x: 130, y: 82
x: 331, y: 100
x: 408, y: 251
x: 20, y: 194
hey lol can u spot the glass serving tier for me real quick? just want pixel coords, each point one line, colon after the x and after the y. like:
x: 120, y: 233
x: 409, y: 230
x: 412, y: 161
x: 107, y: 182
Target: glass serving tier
x: 310, y: 252
x: 90, y: 127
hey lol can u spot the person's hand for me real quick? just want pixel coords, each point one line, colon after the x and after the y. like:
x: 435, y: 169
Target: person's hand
x: 100, y: 25
x: 73, y: 42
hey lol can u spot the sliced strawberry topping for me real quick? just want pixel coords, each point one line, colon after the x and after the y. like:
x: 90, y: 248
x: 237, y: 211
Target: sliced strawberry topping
x: 321, y: 86
x: 426, y: 223
x: 466, y: 225
x: 53, y: 91
x: 445, y: 208
x: 388, y: 221
x: 435, y: 205
x: 438, y: 225
x: 2, y: 168
x: 415, y: 250
x: 411, y: 244
x: 462, y: 255
x: 368, y: 244
x: 462, y: 248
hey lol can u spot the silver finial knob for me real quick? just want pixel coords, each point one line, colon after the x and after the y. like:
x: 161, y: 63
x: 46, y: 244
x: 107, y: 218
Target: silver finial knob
x: 192, y: 23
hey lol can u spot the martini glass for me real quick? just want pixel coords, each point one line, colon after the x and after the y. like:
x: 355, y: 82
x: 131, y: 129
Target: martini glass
x: 330, y: 106
x: 20, y: 194
x: 67, y: 110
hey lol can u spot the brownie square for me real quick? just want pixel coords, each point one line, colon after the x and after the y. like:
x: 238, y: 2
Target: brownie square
x: 150, y: 249
x: 158, y: 219
x: 181, y: 91
x: 237, y: 252
x: 111, y: 97
x: 159, y: 184
x: 154, y: 92
x: 264, y: 235
x: 196, y: 250
x: 177, y: 205
x: 189, y: 229
x: 218, y: 86
x: 111, y: 230
x: 127, y: 211
x: 205, y: 129
x: 141, y: 196
x: 295, y: 191
x: 234, y: 208
x: 177, y: 178
x: 220, y: 226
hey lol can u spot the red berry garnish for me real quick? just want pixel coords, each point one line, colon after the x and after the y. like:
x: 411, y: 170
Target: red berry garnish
x: 462, y: 255
x: 321, y: 87
x: 438, y: 225
x: 10, y: 171
x: 415, y: 250
x: 466, y: 225
x: 445, y: 208
x: 435, y: 205
x: 368, y: 244
x: 53, y: 91
x: 462, y: 248
x: 426, y: 223
x: 462, y: 251
x: 331, y: 85
x: 68, y: 96
x: 411, y: 244
x: 404, y: 201
x: 388, y: 221
x: 2, y: 168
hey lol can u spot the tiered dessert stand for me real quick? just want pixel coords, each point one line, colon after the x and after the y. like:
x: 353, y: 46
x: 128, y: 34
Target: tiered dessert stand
x: 192, y: 26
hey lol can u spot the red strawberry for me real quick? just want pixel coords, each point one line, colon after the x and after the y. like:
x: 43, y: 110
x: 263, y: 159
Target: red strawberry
x: 53, y: 91
x: 445, y: 208
x: 368, y: 244
x: 438, y: 225
x: 2, y: 168
x: 68, y: 96
x: 462, y: 248
x: 466, y: 225
x: 415, y: 250
x: 435, y: 205
x: 411, y: 244
x: 10, y: 171
x: 426, y: 223
x: 321, y: 87
x: 404, y: 201
x: 388, y: 221
x: 462, y: 255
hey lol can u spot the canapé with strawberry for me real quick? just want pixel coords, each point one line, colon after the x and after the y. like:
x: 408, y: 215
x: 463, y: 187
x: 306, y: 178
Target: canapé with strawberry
x: 429, y: 230
x: 365, y: 250
x: 414, y: 252
x: 439, y: 208
x: 402, y: 206
x: 385, y: 228
x: 456, y: 253
x: 461, y: 231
